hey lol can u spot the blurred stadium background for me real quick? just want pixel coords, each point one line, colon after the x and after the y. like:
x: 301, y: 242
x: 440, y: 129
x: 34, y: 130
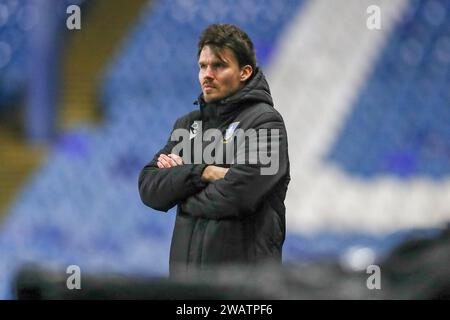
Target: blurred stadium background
x: 82, y: 111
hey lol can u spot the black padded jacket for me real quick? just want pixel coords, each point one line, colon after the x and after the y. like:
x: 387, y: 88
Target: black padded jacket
x: 238, y: 219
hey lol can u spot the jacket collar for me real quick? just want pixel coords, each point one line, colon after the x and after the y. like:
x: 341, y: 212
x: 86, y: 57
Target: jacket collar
x: 256, y: 90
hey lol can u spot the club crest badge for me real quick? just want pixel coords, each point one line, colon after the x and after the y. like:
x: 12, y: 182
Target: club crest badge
x: 193, y: 130
x: 229, y: 132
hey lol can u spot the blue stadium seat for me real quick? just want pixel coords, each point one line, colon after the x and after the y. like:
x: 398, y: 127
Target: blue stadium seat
x: 82, y: 207
x: 405, y: 98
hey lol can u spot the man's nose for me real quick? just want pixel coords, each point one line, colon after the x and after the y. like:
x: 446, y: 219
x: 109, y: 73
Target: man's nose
x: 208, y: 73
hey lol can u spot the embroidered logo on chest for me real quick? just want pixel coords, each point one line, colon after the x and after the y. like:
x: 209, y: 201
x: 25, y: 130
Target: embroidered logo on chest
x: 229, y: 132
x: 194, y: 128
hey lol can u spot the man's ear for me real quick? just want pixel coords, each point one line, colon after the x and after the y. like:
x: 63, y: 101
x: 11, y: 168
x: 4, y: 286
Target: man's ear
x: 246, y: 72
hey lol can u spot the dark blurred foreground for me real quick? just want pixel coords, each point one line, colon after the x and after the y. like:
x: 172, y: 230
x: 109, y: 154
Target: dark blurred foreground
x: 417, y: 269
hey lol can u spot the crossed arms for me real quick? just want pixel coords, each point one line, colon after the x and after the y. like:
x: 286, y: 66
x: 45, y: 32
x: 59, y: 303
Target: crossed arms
x: 208, y: 191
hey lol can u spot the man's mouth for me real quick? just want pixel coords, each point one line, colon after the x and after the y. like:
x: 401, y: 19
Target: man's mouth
x: 208, y: 86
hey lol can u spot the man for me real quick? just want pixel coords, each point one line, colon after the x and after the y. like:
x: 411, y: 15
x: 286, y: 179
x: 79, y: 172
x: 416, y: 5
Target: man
x: 227, y: 212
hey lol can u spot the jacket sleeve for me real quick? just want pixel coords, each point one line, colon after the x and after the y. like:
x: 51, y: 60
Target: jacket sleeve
x: 163, y: 188
x: 244, y: 186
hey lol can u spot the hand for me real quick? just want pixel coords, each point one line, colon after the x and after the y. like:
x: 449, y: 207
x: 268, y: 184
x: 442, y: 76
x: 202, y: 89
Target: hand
x: 169, y: 161
x: 213, y: 173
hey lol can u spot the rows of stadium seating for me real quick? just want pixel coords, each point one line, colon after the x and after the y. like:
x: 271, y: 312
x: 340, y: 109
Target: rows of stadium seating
x: 14, y: 23
x: 82, y: 207
x: 411, y: 84
x: 17, y: 20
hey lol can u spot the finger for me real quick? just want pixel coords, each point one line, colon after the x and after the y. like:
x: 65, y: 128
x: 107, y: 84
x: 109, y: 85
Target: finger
x: 164, y: 162
x: 165, y: 157
x: 162, y: 156
x: 217, y: 173
x: 169, y: 160
x: 159, y: 164
x: 176, y: 158
x: 223, y: 172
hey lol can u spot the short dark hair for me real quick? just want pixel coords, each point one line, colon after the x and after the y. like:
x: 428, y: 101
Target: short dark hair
x: 219, y: 36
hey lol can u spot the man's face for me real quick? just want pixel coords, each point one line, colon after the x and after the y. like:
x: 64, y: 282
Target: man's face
x: 221, y: 76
